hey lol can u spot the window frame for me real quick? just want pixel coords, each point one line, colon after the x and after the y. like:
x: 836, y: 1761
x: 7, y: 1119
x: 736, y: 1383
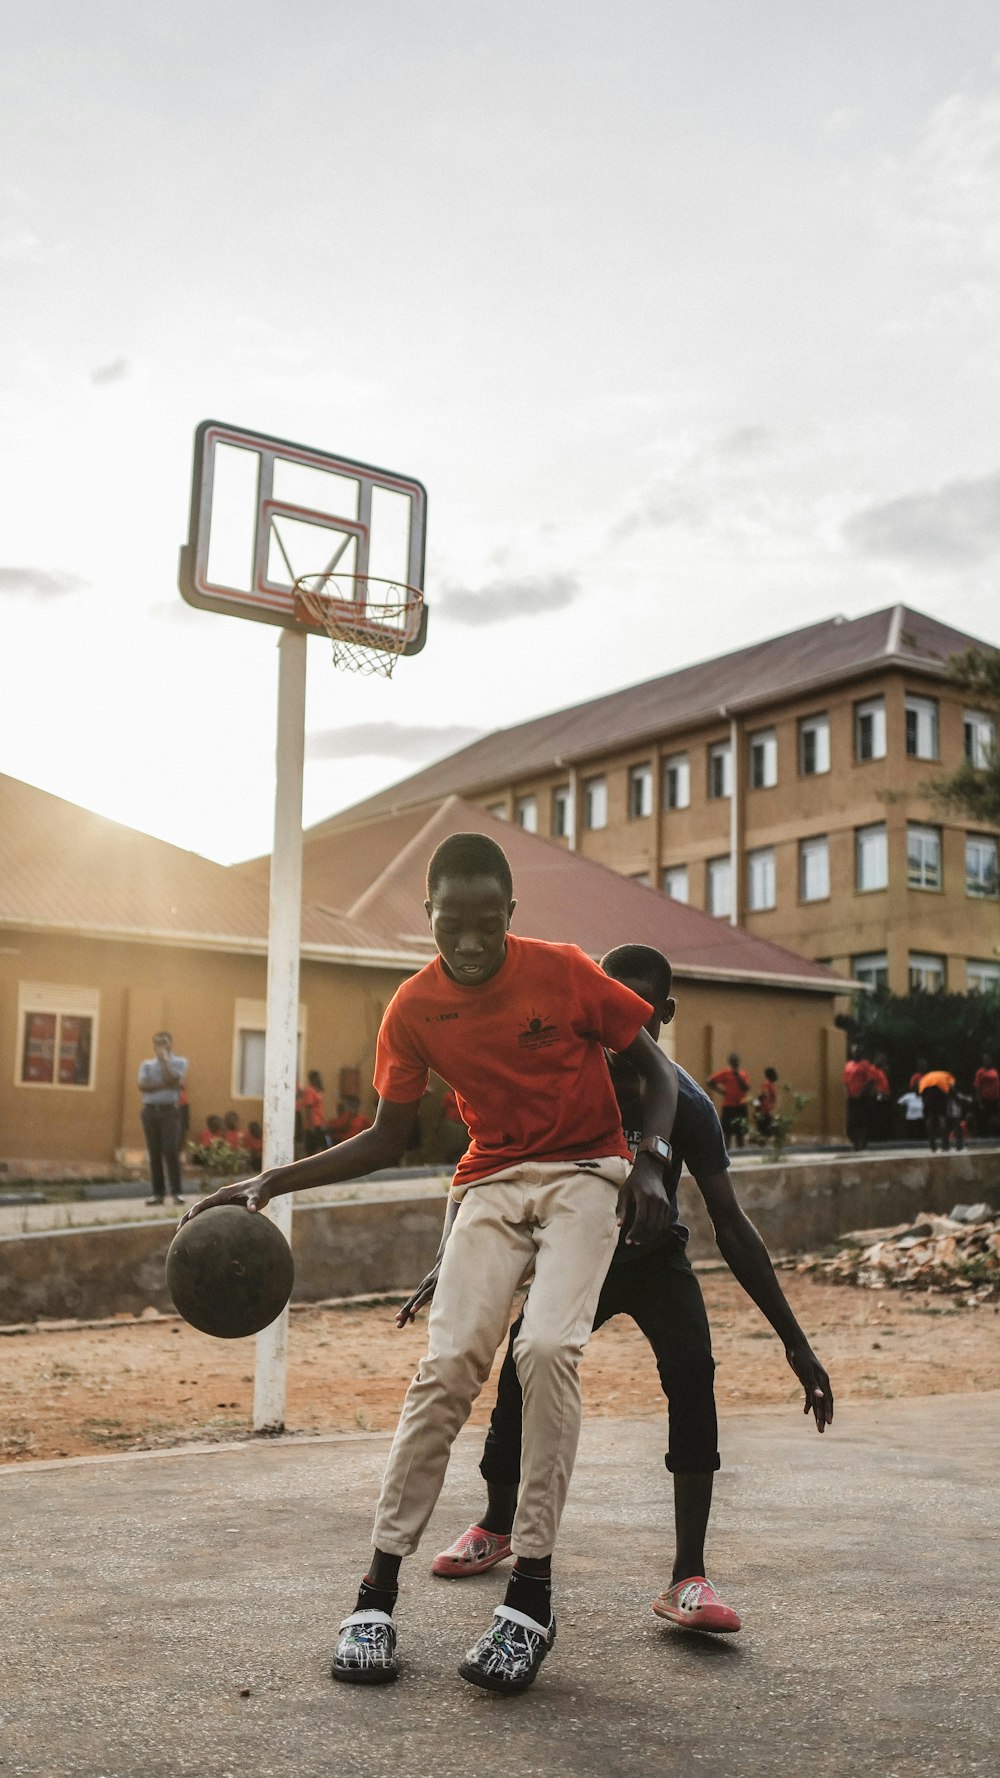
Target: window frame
x: 677, y: 766
x: 991, y: 966
x: 879, y: 960
x: 522, y: 805
x: 640, y: 777
x: 250, y: 1016
x: 720, y: 753
x: 917, y: 706
x: 978, y: 755
x: 762, y: 863
x: 590, y: 786
x: 865, y: 709
x: 814, y: 726
x: 60, y: 1001
x: 673, y: 870
x: 560, y: 822
x: 918, y: 878
x: 763, y: 745
x: 918, y: 960
x: 712, y: 867
x: 814, y: 843
x: 860, y: 833
x: 990, y: 840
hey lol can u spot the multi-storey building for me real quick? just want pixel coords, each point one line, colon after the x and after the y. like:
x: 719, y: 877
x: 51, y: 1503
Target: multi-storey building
x: 782, y: 787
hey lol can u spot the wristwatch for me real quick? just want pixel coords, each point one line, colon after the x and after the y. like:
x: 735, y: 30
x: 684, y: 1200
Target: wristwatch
x: 660, y: 1150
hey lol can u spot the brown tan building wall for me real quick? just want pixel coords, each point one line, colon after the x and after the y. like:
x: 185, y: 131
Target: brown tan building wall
x: 852, y: 794
x: 200, y: 996
x: 767, y: 1028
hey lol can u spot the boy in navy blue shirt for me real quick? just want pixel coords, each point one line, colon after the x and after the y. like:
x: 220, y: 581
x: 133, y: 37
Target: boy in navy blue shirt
x: 655, y: 1284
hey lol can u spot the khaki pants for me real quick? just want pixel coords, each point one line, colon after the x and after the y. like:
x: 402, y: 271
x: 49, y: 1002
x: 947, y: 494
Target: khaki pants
x: 556, y: 1221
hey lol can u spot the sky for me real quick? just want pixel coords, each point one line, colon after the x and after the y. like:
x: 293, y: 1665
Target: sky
x: 685, y: 313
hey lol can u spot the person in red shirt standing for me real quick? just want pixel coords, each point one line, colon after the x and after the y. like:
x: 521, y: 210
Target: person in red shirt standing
x: 858, y: 1078
x: 766, y: 1103
x: 734, y: 1086
x: 518, y: 1028
x: 313, y: 1117
x: 986, y: 1086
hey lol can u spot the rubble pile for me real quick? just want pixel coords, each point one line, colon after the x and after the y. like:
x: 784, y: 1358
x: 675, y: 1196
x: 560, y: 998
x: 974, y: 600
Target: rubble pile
x: 956, y: 1255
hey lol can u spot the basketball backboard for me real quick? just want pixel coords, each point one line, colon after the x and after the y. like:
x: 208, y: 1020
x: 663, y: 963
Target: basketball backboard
x: 265, y: 511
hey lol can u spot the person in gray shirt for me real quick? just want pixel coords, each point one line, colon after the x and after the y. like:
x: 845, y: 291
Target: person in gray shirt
x: 160, y: 1081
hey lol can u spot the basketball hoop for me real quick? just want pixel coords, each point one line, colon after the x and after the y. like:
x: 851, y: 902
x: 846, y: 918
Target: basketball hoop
x: 368, y: 635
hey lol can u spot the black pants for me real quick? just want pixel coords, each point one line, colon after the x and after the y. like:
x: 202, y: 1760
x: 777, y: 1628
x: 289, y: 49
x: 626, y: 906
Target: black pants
x: 734, y: 1123
x: 662, y: 1295
x: 859, y: 1122
x: 161, y: 1126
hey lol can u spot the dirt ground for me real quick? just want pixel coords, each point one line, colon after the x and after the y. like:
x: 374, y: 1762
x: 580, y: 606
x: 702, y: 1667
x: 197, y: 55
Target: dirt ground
x: 134, y: 1385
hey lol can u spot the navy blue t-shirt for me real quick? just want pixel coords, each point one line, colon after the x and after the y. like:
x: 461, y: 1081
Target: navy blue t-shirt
x: 697, y: 1143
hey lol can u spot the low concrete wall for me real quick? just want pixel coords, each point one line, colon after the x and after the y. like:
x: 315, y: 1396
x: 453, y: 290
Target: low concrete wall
x: 809, y: 1203
x: 372, y: 1244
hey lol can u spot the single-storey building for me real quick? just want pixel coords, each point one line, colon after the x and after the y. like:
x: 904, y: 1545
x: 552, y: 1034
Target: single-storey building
x: 107, y: 935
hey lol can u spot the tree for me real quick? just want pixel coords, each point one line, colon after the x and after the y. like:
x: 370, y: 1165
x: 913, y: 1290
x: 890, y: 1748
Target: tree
x: 975, y: 789
x: 952, y: 1031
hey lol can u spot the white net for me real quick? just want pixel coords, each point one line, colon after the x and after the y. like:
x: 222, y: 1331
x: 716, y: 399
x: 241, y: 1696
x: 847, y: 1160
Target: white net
x: 367, y: 635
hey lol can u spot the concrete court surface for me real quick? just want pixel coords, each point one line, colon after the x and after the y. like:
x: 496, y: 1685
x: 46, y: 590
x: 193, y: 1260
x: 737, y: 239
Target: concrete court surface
x: 145, y: 1594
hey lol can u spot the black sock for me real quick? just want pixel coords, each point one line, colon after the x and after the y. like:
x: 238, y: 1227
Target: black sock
x: 531, y: 1592
x: 501, y: 1507
x: 376, y: 1598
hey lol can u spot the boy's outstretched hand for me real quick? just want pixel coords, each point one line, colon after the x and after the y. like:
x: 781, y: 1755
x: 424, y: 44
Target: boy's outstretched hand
x: 255, y: 1194
x: 421, y: 1295
x: 815, y: 1382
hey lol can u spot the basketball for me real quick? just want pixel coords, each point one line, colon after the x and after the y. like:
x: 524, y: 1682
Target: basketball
x: 230, y: 1271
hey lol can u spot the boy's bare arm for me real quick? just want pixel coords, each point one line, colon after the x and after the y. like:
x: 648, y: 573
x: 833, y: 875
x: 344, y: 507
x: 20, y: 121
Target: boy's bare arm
x: 750, y: 1263
x: 380, y: 1146
x: 659, y: 1107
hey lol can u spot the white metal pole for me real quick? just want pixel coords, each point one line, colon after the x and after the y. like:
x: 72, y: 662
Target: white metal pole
x: 281, y: 1041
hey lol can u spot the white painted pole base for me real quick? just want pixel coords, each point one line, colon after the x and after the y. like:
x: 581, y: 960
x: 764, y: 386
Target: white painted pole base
x: 281, y: 1041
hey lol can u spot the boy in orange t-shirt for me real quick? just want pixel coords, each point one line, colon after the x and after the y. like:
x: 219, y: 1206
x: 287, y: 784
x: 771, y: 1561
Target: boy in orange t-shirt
x: 518, y: 1028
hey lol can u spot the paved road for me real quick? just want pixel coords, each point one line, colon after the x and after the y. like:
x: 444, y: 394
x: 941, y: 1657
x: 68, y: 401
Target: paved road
x: 145, y: 1594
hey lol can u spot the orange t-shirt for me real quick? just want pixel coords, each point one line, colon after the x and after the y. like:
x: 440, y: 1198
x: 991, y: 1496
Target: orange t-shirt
x: 768, y: 1096
x: 311, y: 1107
x: 858, y: 1076
x: 735, y: 1086
x: 523, y: 1051
x: 938, y: 1077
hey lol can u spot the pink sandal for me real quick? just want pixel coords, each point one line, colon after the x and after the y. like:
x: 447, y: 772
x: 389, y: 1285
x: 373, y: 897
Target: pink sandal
x: 694, y: 1604
x: 472, y: 1553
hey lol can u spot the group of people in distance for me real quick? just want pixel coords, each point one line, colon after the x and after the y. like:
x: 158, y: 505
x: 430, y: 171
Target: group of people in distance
x: 229, y: 1130
x: 578, y: 1127
x: 312, y: 1131
x: 933, y: 1105
x: 732, y: 1083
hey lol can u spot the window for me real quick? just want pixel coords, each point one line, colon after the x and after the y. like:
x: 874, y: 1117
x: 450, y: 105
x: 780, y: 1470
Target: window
x: 814, y: 869
x: 981, y: 862
x: 814, y: 745
x: 249, y: 1026
x: 676, y: 781
x: 643, y: 877
x: 923, y: 856
x: 926, y: 974
x: 640, y: 792
x: 526, y: 813
x: 57, y: 1035
x: 595, y: 802
x: 871, y: 853
x: 498, y: 810
x: 760, y: 879
x: 980, y: 738
x: 921, y: 727
x: 869, y: 729
x: 675, y: 882
x: 720, y: 769
x: 561, y: 812
x: 982, y: 977
x: 719, y: 886
x: 763, y: 759
x: 872, y: 969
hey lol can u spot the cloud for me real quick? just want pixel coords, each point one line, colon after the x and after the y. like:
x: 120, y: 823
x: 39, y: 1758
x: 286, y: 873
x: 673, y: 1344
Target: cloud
x: 956, y: 524
x: 114, y: 372
x: 412, y: 741
x: 19, y: 246
x: 39, y: 583
x: 525, y: 595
